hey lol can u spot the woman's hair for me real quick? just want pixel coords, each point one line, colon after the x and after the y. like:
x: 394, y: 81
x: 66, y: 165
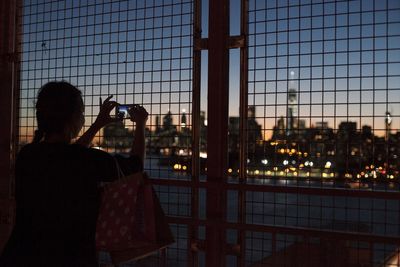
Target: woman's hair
x: 57, y: 107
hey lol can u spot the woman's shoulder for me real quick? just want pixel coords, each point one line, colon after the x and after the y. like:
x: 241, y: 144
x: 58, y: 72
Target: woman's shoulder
x: 27, y: 150
x: 28, y: 147
x: 90, y: 152
x: 75, y: 150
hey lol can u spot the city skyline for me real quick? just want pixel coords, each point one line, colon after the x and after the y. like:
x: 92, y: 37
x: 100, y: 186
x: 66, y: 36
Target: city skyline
x: 340, y: 60
x: 292, y: 152
x: 346, y: 63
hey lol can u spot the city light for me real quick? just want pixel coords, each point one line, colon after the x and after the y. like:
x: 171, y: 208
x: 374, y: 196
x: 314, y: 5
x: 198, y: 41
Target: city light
x: 177, y: 166
x: 328, y: 164
x: 203, y: 155
x: 264, y: 161
x: 308, y: 163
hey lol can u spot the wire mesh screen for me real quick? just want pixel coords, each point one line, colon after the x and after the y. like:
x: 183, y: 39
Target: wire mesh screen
x: 138, y: 51
x: 323, y: 113
x: 323, y: 117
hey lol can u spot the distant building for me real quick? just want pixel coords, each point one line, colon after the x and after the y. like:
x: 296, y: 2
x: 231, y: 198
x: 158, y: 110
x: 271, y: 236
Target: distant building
x: 184, y: 135
x: 321, y: 125
x: 291, y: 116
x: 168, y: 121
x: 117, y: 136
x: 158, y: 125
x: 301, y: 127
x: 347, y: 130
x: 279, y: 130
x: 388, y: 124
x: 168, y: 138
x: 367, y: 131
x: 203, y: 131
x: 251, y: 112
x: 233, y: 133
x: 183, y: 119
x: 348, y: 148
x: 254, y: 134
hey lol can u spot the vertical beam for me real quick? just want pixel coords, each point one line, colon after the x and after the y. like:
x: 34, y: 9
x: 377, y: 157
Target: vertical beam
x: 9, y: 71
x: 217, y: 141
x: 243, y: 109
x: 193, y: 232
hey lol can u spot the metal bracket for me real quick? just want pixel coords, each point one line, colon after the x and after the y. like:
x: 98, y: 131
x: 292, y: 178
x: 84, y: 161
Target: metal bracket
x: 237, y: 41
x: 233, y: 42
x: 197, y: 245
x: 200, y: 44
x: 233, y: 249
x: 10, y: 57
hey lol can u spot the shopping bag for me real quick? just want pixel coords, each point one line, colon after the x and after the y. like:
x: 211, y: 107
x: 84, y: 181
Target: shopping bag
x: 151, y: 230
x: 131, y: 223
x: 115, y: 223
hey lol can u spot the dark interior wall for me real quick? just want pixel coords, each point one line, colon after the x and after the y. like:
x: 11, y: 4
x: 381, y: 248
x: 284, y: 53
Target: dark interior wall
x: 8, y: 89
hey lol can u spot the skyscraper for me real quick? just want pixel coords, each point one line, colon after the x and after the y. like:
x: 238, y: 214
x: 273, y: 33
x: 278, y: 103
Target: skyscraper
x: 183, y: 118
x: 388, y: 124
x: 291, y: 106
x: 251, y: 112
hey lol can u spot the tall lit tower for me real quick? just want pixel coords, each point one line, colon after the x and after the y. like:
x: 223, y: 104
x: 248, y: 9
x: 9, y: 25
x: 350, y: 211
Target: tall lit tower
x: 292, y: 105
x: 388, y: 124
x: 183, y: 119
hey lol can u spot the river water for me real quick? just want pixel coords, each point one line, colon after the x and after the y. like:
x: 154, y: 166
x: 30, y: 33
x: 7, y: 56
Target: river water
x: 353, y: 214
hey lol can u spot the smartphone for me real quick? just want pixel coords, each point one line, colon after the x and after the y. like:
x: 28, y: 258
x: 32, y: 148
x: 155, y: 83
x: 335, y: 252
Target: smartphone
x: 121, y: 111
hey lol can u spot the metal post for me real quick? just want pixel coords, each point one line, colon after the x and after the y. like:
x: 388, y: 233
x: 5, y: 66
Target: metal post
x: 243, y: 126
x: 217, y: 141
x: 193, y: 230
x: 9, y: 72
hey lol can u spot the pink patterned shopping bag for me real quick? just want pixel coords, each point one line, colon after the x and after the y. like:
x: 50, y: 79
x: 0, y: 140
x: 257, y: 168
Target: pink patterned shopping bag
x: 115, y: 224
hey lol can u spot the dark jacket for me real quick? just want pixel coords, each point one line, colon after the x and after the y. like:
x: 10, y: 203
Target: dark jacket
x: 57, y: 201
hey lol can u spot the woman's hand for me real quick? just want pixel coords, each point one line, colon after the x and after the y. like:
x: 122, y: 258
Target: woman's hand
x: 104, y: 118
x: 138, y: 114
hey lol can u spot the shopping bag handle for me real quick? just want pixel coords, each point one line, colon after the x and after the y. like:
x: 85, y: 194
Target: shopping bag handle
x: 120, y: 173
x: 145, y: 178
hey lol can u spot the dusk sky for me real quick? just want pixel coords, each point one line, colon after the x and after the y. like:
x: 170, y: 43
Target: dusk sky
x: 343, y: 64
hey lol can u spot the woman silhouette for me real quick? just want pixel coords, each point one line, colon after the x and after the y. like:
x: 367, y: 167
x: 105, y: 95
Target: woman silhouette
x: 56, y: 186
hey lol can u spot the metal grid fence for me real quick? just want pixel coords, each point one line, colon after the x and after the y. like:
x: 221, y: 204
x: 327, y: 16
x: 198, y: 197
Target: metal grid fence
x: 138, y: 51
x: 322, y: 116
